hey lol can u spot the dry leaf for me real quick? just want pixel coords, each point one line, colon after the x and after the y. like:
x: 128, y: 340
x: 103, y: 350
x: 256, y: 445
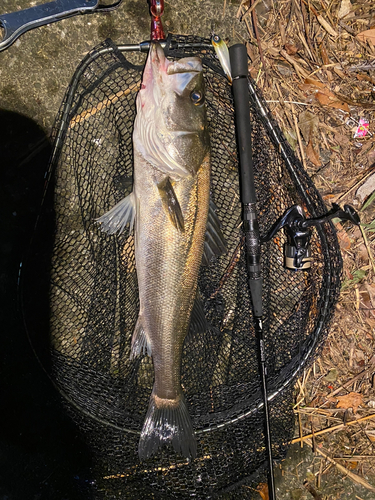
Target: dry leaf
x: 308, y: 123
x: 327, y: 26
x: 291, y: 49
x: 371, y: 290
x: 367, y: 35
x: 323, y: 94
x: 363, y: 254
x: 273, y: 51
x: 352, y: 464
x: 263, y: 491
x: 316, y: 83
x: 327, y: 98
x: 344, y: 240
x: 328, y: 197
x: 345, y: 10
x: 312, y: 155
x: 290, y: 136
x: 351, y: 400
x: 339, y: 72
x: 362, y: 77
x: 341, y: 139
x: 366, y: 188
x: 371, y: 435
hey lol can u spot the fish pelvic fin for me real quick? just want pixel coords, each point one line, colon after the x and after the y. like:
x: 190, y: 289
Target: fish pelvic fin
x: 214, y: 244
x: 115, y: 220
x: 140, y: 341
x: 170, y: 204
x: 167, y: 422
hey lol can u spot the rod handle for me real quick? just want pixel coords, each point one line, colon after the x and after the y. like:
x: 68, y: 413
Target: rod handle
x: 238, y: 61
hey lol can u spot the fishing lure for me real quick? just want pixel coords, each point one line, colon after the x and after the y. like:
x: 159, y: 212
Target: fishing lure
x: 222, y: 53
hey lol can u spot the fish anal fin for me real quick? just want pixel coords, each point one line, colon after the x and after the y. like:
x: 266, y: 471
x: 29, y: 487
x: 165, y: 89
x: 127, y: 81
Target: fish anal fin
x: 167, y: 422
x: 171, y: 204
x: 140, y: 342
x: 214, y: 244
x: 115, y: 220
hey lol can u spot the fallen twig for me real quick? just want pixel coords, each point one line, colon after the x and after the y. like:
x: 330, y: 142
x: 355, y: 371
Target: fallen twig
x: 368, y: 248
x: 85, y: 115
x: 295, y: 64
x: 354, y: 477
x: 334, y: 428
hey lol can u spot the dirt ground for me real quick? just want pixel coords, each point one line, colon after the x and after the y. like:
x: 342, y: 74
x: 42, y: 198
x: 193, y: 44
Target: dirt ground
x: 314, y: 62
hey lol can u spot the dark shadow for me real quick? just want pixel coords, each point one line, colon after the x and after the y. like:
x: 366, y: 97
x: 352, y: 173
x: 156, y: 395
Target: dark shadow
x: 41, y: 453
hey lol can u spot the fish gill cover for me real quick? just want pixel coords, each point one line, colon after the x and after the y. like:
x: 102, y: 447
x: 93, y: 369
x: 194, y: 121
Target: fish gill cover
x: 94, y: 303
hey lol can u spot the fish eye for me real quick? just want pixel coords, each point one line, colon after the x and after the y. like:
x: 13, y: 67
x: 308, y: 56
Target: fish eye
x: 197, y: 97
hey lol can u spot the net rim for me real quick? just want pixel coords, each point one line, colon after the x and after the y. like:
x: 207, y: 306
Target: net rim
x: 298, y: 362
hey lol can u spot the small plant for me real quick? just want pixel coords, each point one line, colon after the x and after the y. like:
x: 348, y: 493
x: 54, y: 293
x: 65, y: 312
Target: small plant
x: 358, y: 276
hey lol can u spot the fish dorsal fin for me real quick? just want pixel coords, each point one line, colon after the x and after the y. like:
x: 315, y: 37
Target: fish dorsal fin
x: 198, y: 322
x: 115, y: 220
x: 171, y: 204
x: 214, y: 244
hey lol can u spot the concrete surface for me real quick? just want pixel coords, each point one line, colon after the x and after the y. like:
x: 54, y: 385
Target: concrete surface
x: 36, y: 69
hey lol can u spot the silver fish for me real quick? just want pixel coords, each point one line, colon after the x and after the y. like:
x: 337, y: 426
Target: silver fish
x: 171, y: 211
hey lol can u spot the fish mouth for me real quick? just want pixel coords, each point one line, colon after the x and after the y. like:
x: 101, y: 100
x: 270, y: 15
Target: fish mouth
x: 184, y: 65
x: 157, y: 56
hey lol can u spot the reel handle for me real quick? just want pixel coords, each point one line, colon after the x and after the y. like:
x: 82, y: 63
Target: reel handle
x: 297, y: 253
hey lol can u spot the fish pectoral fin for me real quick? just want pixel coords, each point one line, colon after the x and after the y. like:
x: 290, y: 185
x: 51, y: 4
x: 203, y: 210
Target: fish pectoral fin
x: 140, y: 341
x: 198, y: 321
x: 214, y: 244
x: 167, y: 422
x: 171, y: 204
x: 115, y: 220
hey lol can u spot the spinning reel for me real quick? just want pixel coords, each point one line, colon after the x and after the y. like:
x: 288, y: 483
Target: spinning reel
x: 297, y: 251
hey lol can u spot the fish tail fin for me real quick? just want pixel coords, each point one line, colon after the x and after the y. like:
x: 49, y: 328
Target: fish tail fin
x: 167, y: 422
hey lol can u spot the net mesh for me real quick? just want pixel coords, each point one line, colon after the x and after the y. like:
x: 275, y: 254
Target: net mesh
x: 93, y: 295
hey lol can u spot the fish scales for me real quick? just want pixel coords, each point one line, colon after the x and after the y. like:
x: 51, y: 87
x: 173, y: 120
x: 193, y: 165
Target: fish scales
x: 167, y: 270
x: 170, y: 204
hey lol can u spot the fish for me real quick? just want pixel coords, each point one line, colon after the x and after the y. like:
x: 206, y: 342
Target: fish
x: 176, y: 229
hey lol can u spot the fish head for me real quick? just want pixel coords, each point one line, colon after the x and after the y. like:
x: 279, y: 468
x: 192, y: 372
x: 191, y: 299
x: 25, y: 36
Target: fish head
x: 170, y: 129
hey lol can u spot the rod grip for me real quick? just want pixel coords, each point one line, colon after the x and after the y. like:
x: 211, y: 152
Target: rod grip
x: 238, y: 61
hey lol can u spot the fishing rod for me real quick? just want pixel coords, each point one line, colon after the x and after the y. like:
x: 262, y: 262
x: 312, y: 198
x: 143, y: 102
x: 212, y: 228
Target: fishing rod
x: 238, y: 61
x: 298, y: 229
